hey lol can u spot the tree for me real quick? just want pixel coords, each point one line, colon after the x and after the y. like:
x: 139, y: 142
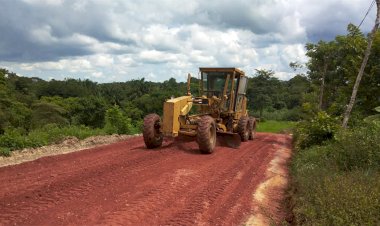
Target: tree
x: 265, y: 91
x: 340, y: 77
x: 47, y: 113
x: 91, y: 111
x: 116, y: 121
x: 296, y: 88
x: 362, y: 67
x: 321, y: 61
x: 132, y: 112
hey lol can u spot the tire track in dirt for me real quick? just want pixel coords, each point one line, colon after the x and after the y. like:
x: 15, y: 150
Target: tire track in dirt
x: 126, y: 184
x: 145, y: 208
x: 210, y: 199
x: 69, y: 188
x: 60, y: 166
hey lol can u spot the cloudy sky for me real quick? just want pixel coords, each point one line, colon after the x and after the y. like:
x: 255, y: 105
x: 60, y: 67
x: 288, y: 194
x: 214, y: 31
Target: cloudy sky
x: 120, y: 40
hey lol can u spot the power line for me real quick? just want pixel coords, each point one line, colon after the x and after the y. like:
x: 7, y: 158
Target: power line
x: 369, y: 9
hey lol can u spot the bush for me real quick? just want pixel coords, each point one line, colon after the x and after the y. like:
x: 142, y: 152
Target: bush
x: 294, y: 114
x: 315, y: 131
x: 47, y: 113
x: 117, y: 122
x: 5, y: 152
x: 283, y: 114
x: 358, y: 148
x: 53, y: 133
x: 15, y: 139
x: 137, y: 127
x: 339, y: 183
x: 339, y: 199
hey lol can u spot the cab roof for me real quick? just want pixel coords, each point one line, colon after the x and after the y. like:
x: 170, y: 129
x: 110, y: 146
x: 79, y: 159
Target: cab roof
x: 221, y: 69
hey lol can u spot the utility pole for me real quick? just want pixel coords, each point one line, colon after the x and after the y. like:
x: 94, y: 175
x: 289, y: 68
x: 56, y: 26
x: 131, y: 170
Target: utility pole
x: 362, y: 67
x: 322, y: 88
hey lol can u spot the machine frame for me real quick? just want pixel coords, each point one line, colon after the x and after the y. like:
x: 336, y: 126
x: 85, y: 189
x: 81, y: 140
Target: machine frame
x: 221, y: 110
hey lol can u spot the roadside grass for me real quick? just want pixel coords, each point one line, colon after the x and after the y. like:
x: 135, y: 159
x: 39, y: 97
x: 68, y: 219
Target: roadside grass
x: 272, y: 126
x: 15, y: 139
x: 338, y: 182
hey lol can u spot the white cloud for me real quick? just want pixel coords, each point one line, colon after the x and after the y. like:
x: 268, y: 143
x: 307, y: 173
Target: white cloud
x: 45, y: 2
x: 154, y: 56
x: 98, y: 74
x: 43, y: 35
x: 102, y: 60
x: 121, y: 40
x: 71, y: 65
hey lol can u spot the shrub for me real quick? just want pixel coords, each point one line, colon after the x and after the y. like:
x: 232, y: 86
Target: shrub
x: 47, y: 113
x: 14, y: 139
x: 294, y: 114
x: 315, y: 131
x: 5, y: 152
x: 137, y: 127
x: 353, y: 149
x: 339, y: 183
x: 52, y: 133
x: 358, y: 148
x: 117, y: 122
x: 283, y: 114
x: 374, y: 118
x: 339, y: 199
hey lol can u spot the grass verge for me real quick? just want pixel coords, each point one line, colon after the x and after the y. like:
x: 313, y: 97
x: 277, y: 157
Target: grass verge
x: 338, y: 183
x: 15, y: 139
x: 271, y: 126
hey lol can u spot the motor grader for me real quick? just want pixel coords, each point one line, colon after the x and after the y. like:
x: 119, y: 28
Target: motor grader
x: 220, y: 110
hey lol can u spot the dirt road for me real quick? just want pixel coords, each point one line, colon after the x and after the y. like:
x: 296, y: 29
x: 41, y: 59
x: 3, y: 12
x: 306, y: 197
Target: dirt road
x: 125, y: 184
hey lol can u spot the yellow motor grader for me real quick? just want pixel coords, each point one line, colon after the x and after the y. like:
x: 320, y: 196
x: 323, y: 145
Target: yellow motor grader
x: 221, y: 110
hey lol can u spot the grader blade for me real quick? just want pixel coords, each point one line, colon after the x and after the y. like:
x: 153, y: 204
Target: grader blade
x: 232, y: 140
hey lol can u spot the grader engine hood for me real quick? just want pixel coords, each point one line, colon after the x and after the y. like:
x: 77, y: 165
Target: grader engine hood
x: 173, y: 109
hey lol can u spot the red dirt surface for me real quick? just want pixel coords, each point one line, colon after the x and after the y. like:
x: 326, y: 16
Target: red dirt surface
x: 126, y: 184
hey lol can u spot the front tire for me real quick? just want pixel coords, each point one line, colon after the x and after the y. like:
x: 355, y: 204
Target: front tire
x: 206, y: 134
x: 153, y: 137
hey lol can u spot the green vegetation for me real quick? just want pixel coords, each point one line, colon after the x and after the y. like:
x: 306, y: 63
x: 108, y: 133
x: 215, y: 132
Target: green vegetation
x: 339, y: 183
x: 335, y: 171
x: 272, y: 99
x: 28, y: 105
x: 14, y: 139
x: 271, y: 126
x: 34, y: 112
x: 316, y: 130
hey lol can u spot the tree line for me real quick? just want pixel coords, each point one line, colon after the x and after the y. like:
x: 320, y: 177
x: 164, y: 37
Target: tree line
x: 31, y: 103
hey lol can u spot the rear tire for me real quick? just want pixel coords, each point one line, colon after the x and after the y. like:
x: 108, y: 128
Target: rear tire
x: 243, y: 128
x: 206, y: 134
x: 252, y: 130
x: 151, y: 131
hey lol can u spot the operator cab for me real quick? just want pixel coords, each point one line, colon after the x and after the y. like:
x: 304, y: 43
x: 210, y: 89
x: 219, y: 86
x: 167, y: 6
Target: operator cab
x: 221, y: 82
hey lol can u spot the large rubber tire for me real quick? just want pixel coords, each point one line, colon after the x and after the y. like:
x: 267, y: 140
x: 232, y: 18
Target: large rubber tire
x: 151, y: 131
x: 206, y: 134
x: 252, y: 130
x: 243, y: 128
